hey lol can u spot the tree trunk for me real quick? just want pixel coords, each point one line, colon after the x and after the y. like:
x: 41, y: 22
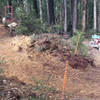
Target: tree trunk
x: 51, y: 11
x: 95, y: 17
x: 40, y: 6
x: 83, y: 14
x: 48, y: 11
x: 65, y: 20
x: 87, y: 16
x: 10, y: 4
x: 27, y: 7
x: 99, y: 16
x: 35, y: 7
x: 74, y: 18
x: 60, y: 10
x: 71, y: 10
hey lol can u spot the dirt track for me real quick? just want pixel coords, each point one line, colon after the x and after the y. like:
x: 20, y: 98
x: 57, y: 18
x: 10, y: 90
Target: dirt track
x: 80, y: 83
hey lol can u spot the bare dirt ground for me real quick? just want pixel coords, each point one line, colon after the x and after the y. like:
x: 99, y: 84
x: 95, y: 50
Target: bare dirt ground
x: 80, y: 83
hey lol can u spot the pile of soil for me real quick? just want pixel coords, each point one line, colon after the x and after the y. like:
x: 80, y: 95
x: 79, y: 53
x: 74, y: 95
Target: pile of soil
x: 54, y: 47
x: 19, y: 43
x: 13, y: 89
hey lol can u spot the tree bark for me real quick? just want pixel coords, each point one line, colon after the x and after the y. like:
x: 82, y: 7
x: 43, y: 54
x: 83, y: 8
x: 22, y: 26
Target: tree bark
x: 35, y: 7
x: 74, y: 18
x: 71, y: 10
x: 48, y: 11
x: 87, y: 16
x: 51, y: 11
x: 83, y: 14
x: 40, y: 6
x: 60, y: 10
x: 65, y: 20
x: 99, y: 16
x: 10, y: 4
x: 95, y: 17
x: 27, y: 7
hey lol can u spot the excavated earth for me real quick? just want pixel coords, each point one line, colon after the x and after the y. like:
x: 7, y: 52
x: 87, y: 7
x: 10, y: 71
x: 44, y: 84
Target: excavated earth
x: 44, y: 57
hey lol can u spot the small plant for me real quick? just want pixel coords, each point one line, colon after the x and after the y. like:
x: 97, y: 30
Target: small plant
x: 44, y: 90
x: 81, y: 48
x: 34, y: 37
x: 75, y: 37
x: 2, y: 60
x: 40, y: 48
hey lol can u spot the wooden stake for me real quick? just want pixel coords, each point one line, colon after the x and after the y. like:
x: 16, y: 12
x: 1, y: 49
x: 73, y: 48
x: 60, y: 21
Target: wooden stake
x: 75, y: 51
x: 65, y: 79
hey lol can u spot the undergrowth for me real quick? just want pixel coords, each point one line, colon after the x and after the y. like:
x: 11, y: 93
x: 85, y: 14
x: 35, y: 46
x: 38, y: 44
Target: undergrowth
x: 45, y: 91
x: 29, y: 24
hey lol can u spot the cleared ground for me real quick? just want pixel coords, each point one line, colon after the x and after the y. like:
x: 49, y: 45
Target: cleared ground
x: 80, y: 83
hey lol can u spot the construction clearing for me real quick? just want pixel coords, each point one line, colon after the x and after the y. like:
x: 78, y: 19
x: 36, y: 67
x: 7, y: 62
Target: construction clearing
x: 43, y: 57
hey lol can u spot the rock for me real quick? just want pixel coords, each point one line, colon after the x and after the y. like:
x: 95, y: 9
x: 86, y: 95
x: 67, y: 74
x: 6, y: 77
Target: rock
x: 4, y: 81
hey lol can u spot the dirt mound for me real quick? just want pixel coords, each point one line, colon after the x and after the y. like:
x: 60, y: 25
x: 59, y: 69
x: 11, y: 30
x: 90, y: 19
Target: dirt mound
x: 13, y: 89
x: 78, y: 61
x: 54, y: 47
x: 20, y: 43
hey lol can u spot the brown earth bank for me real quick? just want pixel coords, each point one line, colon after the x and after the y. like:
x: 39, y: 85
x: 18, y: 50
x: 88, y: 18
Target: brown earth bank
x: 13, y: 89
x: 44, y: 59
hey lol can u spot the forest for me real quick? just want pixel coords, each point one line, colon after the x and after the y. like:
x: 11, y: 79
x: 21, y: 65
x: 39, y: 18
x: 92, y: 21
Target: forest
x: 49, y: 49
x: 55, y: 16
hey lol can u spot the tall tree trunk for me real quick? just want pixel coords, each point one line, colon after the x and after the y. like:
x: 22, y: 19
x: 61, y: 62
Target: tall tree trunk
x: 60, y: 10
x: 73, y: 16
x: 10, y: 4
x: 74, y: 23
x: 48, y: 11
x: 87, y: 16
x: 83, y: 14
x: 99, y: 16
x: 40, y: 6
x: 71, y: 10
x: 79, y: 12
x: 65, y: 20
x: 35, y: 7
x: 27, y: 7
x: 51, y: 11
x: 95, y: 17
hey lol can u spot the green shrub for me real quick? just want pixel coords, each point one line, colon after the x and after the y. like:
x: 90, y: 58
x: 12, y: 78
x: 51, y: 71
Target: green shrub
x: 75, y: 37
x: 83, y: 50
x: 27, y: 24
x: 30, y: 24
x: 45, y: 28
x: 21, y: 29
x: 20, y: 13
x: 81, y: 47
x: 90, y: 32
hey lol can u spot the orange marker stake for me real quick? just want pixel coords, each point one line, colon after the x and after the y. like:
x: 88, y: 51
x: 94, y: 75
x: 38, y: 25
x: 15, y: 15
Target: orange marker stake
x: 65, y: 79
x: 75, y: 51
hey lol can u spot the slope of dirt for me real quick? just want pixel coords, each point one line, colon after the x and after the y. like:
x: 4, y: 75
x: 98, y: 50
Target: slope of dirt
x: 80, y: 83
x: 13, y: 89
x: 56, y: 47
